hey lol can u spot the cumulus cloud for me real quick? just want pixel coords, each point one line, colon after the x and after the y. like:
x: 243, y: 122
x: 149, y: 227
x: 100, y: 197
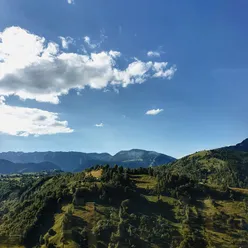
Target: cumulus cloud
x: 114, y: 54
x: 66, y: 41
x: 71, y: 1
x: 32, y: 68
x: 22, y: 121
x: 153, y: 54
x: 99, y: 125
x: 139, y: 72
x: 154, y: 111
x: 161, y: 70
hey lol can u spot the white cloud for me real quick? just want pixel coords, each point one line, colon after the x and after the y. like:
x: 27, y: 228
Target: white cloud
x: 2, y: 100
x: 161, y: 70
x: 114, y: 54
x: 31, y: 68
x: 99, y: 125
x: 113, y: 89
x: 22, y: 121
x: 154, y: 111
x: 18, y: 49
x: 91, y: 45
x: 71, y: 1
x: 153, y: 54
x: 94, y: 45
x: 66, y: 41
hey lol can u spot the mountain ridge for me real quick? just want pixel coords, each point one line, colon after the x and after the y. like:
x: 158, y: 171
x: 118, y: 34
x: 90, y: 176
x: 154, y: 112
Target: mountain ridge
x: 76, y: 161
x: 8, y: 167
x: 221, y: 166
x: 242, y: 146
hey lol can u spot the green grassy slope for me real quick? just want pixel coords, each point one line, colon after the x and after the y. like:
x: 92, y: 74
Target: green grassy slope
x: 215, y: 167
x: 117, y: 207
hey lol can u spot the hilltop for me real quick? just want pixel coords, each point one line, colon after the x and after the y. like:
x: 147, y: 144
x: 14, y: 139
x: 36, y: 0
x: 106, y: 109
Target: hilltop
x: 222, y: 166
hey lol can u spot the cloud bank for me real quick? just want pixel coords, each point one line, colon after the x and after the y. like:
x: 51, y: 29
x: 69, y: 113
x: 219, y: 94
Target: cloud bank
x: 21, y: 121
x: 33, y: 68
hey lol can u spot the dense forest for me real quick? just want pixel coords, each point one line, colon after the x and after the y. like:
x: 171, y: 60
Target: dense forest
x: 198, y: 201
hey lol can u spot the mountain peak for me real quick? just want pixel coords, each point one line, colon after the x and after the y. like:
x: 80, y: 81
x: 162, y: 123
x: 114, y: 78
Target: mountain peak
x: 139, y: 157
x: 136, y: 150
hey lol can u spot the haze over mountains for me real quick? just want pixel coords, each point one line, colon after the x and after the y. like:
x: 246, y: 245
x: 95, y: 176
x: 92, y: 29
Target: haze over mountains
x: 77, y: 161
x: 7, y: 167
x: 17, y: 162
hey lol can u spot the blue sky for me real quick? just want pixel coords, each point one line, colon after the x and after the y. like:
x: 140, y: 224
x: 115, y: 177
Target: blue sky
x: 194, y: 80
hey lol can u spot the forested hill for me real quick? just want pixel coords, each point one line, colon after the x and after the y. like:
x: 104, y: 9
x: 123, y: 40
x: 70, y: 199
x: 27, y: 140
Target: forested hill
x: 200, y: 200
x: 121, y: 207
x: 7, y: 167
x: 225, y: 167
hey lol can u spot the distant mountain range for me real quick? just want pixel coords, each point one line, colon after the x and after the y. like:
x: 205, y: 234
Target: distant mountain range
x: 14, y: 162
x: 7, y: 167
x: 77, y: 161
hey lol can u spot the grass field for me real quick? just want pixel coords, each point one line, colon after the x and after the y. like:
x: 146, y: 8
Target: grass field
x: 144, y: 181
x: 95, y: 173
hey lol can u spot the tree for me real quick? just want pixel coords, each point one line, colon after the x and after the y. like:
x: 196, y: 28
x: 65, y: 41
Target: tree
x: 41, y: 240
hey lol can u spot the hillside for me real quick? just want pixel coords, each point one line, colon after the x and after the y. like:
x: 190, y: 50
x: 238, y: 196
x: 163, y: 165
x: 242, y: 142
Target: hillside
x: 243, y: 146
x: 200, y: 200
x: 7, y: 167
x: 77, y: 161
x: 118, y: 207
x: 215, y: 167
